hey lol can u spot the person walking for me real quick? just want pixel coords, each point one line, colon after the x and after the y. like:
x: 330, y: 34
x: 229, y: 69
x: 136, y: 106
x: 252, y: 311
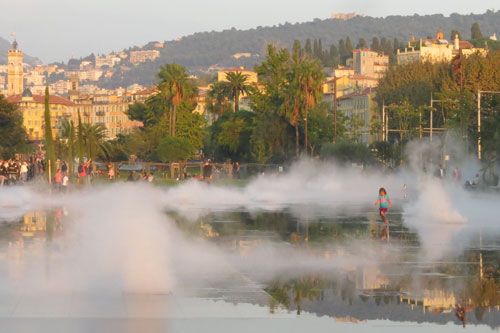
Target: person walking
x: 58, y: 180
x: 384, y: 202
x: 208, y: 172
x: 23, y: 172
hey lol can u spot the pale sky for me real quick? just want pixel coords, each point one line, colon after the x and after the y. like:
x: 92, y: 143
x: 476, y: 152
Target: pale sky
x: 55, y: 30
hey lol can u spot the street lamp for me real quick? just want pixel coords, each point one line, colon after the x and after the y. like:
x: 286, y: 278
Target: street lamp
x: 479, y: 93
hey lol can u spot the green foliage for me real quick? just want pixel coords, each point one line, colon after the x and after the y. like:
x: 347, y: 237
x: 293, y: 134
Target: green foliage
x: 173, y: 149
x: 217, y: 101
x: 230, y: 136
x: 346, y: 151
x: 148, y: 114
x: 94, y: 141
x: 237, y: 83
x: 50, y: 154
x: 174, y: 88
x: 81, y: 145
x: 12, y: 132
x: 475, y: 31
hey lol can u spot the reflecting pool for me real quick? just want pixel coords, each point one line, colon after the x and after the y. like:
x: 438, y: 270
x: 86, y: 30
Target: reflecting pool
x: 132, y: 258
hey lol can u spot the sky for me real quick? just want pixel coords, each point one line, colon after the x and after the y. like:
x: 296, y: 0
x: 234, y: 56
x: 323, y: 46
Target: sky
x: 56, y: 30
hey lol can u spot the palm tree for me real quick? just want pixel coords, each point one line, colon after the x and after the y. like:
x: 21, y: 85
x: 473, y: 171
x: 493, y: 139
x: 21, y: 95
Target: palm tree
x: 175, y: 86
x: 237, y: 84
x: 309, y: 78
x: 217, y: 98
x: 94, y: 138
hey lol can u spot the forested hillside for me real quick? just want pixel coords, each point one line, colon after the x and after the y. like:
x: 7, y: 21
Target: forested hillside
x: 205, y: 49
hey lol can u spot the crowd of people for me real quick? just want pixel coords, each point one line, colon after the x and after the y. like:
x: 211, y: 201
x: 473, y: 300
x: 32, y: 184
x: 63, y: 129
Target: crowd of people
x: 14, y: 171
x: 20, y: 171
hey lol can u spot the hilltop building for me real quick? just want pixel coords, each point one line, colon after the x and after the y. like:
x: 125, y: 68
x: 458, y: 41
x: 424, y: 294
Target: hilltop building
x: 15, y: 79
x: 435, y: 50
x: 344, y: 16
x: 136, y: 57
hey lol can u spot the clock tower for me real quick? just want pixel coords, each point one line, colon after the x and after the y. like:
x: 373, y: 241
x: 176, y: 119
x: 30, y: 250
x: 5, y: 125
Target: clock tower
x: 14, y: 71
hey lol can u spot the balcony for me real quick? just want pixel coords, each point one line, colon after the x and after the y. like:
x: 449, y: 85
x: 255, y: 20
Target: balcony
x: 100, y: 113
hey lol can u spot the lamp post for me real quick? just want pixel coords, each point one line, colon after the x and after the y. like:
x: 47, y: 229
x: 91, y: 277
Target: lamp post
x: 479, y: 93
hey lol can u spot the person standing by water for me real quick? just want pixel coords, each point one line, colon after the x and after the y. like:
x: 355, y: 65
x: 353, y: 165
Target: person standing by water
x: 3, y: 172
x: 384, y: 204
x: 23, y: 172
x: 65, y: 183
x: 236, y: 169
x: 111, y: 172
x: 58, y: 180
x: 82, y: 175
x: 207, y: 172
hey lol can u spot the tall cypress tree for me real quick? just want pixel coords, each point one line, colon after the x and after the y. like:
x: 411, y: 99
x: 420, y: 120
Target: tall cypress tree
x: 348, y: 46
x: 342, y: 52
x: 334, y: 56
x: 320, y: 49
x: 50, y: 154
x: 362, y: 44
x: 71, y: 150
x: 308, y: 47
x: 315, y: 49
x: 81, y: 147
x: 297, y: 49
x: 375, y: 45
x: 475, y: 31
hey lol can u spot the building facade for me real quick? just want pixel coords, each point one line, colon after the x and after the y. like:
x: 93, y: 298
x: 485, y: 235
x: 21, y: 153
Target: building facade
x: 32, y: 108
x: 360, y: 110
x: 435, y: 50
x: 370, y: 63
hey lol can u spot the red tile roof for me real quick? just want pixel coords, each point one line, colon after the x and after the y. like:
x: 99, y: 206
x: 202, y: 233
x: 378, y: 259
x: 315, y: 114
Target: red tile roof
x: 465, y: 45
x: 53, y: 99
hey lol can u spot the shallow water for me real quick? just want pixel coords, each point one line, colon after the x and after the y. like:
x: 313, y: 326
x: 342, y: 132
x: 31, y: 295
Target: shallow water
x: 294, y: 267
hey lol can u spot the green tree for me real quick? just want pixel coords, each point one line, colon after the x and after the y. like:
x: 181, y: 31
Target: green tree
x: 148, y: 113
x: 237, y: 84
x: 172, y: 149
x: 347, y: 151
x: 217, y: 101
x: 362, y: 44
x: 50, y: 154
x: 348, y: 46
x: 308, y: 80
x: 308, y: 47
x: 176, y: 85
x: 94, y: 137
x: 375, y: 45
x: 334, y: 56
x: 81, y: 145
x: 12, y: 132
x: 475, y: 31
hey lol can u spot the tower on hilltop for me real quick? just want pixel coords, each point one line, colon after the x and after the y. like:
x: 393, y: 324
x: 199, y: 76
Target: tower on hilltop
x: 14, y: 70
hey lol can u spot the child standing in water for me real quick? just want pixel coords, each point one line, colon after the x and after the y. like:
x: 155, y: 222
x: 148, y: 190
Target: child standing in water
x: 385, y: 203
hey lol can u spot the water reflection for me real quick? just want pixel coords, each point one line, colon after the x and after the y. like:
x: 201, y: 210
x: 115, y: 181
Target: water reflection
x: 390, y: 281
x: 399, y: 285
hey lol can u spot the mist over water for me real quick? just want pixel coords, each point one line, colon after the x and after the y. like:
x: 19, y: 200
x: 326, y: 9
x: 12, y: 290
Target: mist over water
x: 120, y: 238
